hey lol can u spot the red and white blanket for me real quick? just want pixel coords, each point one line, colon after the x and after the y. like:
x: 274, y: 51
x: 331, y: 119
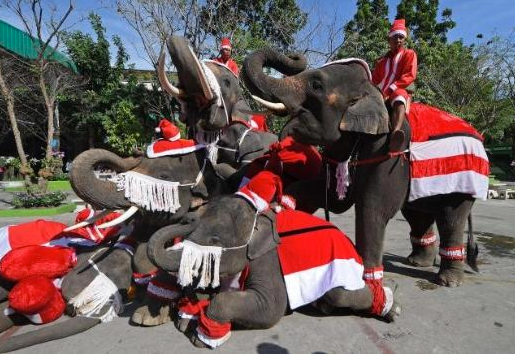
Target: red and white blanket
x: 446, y: 155
x: 315, y: 257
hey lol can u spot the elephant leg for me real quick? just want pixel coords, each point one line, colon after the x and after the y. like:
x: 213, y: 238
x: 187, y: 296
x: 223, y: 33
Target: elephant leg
x: 370, y: 229
x: 143, y: 270
x: 157, y: 306
x: 451, y: 220
x: 422, y: 237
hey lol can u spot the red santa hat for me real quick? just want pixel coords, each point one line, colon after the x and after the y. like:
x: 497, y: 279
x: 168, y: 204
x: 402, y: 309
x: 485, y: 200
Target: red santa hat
x: 168, y: 130
x: 30, y: 261
x: 92, y: 232
x: 171, y: 144
x: 262, y: 189
x: 36, y: 298
x: 398, y: 27
x: 225, y: 44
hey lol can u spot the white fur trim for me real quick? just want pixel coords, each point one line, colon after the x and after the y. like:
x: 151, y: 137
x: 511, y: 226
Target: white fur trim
x: 399, y: 99
x: 259, y: 203
x: 175, y: 137
x: 352, y: 60
x: 187, y: 316
x: 393, y: 33
x: 212, y: 342
x: 151, y: 154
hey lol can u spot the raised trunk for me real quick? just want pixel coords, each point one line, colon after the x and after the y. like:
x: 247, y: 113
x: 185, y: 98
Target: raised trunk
x: 160, y: 240
x: 265, y: 86
x: 101, y: 194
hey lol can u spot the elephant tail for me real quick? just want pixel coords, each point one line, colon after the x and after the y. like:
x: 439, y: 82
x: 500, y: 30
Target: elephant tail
x: 57, y: 331
x: 472, y: 248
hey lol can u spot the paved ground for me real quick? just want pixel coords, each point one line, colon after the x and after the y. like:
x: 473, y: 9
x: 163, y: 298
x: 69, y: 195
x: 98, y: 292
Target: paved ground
x: 477, y: 317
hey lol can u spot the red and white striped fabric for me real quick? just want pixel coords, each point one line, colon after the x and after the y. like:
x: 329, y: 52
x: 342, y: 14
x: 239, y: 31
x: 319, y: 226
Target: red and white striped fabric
x: 446, y: 155
x: 315, y: 257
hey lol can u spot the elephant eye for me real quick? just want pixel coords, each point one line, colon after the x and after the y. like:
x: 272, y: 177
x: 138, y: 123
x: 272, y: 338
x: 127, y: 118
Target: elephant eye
x: 215, y: 240
x: 353, y: 101
x: 226, y: 82
x: 317, y: 86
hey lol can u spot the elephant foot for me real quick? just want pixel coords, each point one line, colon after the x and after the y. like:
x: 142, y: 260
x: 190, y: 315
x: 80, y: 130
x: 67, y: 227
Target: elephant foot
x: 394, y: 312
x: 185, y: 324
x: 195, y: 340
x: 422, y: 256
x: 152, y: 313
x: 323, y: 306
x: 450, y: 274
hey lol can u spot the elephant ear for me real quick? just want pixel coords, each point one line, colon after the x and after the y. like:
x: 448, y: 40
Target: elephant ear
x: 265, y: 237
x: 367, y: 115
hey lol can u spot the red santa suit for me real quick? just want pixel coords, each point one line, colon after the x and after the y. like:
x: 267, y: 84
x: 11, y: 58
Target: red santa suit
x: 396, y: 70
x: 231, y: 64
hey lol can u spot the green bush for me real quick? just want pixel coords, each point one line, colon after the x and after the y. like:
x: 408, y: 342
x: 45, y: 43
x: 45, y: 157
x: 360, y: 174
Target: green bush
x: 35, y: 200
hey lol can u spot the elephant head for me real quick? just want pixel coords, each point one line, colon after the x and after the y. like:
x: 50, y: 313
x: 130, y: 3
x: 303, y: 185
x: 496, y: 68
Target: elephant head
x: 229, y: 223
x: 191, y: 174
x: 208, y: 91
x: 324, y: 102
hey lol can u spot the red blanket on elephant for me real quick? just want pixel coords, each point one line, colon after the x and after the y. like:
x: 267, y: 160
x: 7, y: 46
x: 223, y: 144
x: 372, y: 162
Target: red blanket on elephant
x: 446, y: 155
x: 315, y: 257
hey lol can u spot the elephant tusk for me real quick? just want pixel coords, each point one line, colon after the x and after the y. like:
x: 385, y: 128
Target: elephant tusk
x: 276, y: 107
x: 88, y: 221
x: 165, y: 84
x: 208, y: 93
x: 130, y: 212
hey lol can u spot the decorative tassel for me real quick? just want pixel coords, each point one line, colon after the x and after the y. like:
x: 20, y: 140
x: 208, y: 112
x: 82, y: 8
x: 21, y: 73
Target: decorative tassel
x: 199, y: 261
x: 150, y: 193
x: 212, y: 153
x: 99, y: 293
x: 342, y: 179
x: 206, y: 137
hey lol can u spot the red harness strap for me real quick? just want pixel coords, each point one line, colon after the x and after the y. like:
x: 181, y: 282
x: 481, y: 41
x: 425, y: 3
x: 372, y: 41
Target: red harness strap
x: 371, y: 160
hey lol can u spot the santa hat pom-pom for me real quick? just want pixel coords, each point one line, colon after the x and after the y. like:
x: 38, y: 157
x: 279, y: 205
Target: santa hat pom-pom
x: 38, y: 299
x: 157, y: 129
x: 30, y: 295
x: 24, y: 262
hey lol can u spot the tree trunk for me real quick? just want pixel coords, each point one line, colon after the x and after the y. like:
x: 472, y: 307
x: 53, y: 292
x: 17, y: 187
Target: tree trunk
x: 9, y: 100
x: 49, y: 105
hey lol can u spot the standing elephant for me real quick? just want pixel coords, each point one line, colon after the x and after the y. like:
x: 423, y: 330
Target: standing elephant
x: 314, y: 261
x: 338, y: 106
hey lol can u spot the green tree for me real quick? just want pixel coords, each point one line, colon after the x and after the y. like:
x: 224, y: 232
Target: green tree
x: 365, y: 35
x: 421, y: 19
x: 108, y: 98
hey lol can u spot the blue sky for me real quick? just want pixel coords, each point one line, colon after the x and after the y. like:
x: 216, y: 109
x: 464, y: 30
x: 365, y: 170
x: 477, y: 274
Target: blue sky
x: 488, y: 17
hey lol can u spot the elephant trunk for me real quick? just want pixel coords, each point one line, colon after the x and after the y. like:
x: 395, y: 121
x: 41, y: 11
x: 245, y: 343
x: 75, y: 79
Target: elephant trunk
x: 156, y: 249
x: 265, y: 86
x: 46, y: 334
x: 101, y: 194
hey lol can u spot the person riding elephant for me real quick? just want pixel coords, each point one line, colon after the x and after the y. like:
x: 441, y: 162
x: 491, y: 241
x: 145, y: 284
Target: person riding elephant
x: 338, y: 106
x: 392, y: 74
x: 282, y: 260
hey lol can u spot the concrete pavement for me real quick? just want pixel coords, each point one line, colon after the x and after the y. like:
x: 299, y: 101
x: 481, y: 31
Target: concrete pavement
x: 477, y: 317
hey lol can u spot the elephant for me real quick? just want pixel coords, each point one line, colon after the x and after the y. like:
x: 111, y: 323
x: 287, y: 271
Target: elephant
x: 115, y: 263
x: 213, y: 106
x: 246, y: 238
x: 337, y: 106
x: 184, y: 168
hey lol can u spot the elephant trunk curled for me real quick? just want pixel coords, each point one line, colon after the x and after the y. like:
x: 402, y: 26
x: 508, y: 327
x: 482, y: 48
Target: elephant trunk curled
x: 161, y: 239
x: 102, y: 194
x: 268, y: 87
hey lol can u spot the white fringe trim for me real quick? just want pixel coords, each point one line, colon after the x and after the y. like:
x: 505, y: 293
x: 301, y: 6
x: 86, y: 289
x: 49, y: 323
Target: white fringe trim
x: 212, y: 342
x: 342, y: 179
x: 100, y: 292
x: 150, y: 193
x: 199, y: 261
